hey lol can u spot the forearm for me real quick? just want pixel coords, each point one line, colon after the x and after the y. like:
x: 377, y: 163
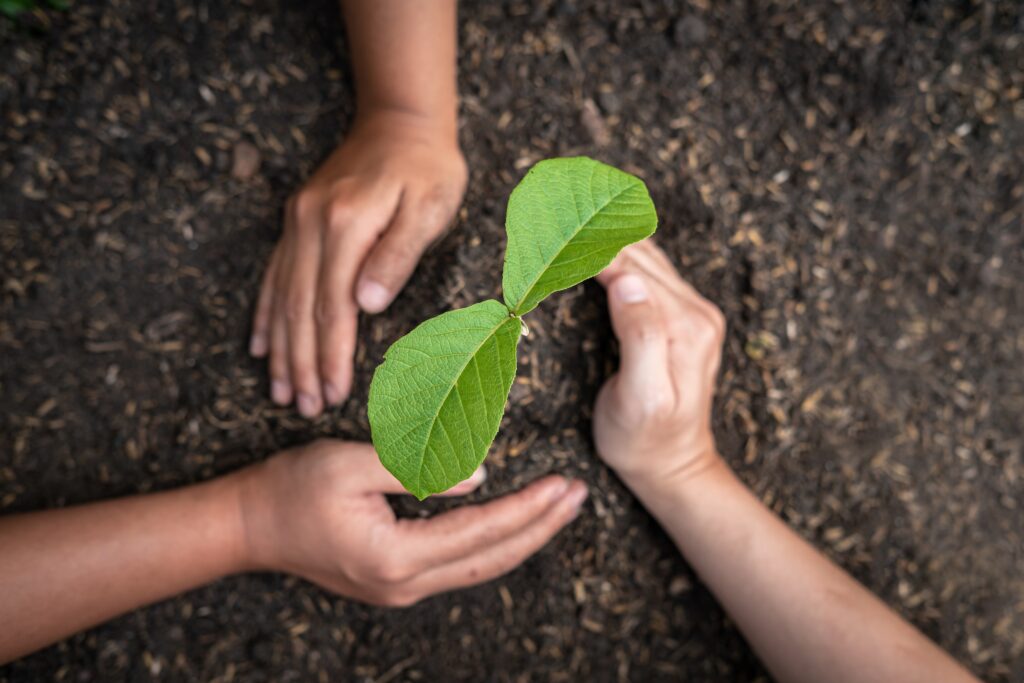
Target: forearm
x: 404, y: 55
x: 807, y: 619
x: 65, y: 570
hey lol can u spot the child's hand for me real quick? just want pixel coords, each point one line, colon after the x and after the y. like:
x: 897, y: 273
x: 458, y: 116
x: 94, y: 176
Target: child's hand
x: 319, y: 512
x: 652, y: 420
x: 352, y: 237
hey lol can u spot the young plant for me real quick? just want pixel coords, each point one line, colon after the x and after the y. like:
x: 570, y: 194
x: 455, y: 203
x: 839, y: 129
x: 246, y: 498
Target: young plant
x: 437, y: 400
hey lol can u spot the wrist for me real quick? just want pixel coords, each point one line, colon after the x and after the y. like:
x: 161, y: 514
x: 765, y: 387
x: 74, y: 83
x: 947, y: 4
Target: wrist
x: 250, y: 502
x: 385, y: 117
x: 679, y: 481
x: 216, y: 506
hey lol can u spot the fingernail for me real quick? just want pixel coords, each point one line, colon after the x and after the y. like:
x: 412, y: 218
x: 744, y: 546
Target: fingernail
x: 372, y: 296
x: 558, y: 489
x: 280, y: 392
x: 478, y: 477
x: 332, y: 395
x: 309, y: 405
x: 577, y: 494
x: 630, y: 289
x: 466, y: 485
x: 258, y: 345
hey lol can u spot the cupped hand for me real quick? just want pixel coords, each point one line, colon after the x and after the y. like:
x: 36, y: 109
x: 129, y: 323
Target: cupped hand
x: 652, y: 420
x: 352, y: 237
x: 319, y: 512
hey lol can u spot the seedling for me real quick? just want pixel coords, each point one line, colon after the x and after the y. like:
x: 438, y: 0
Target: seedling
x: 437, y: 400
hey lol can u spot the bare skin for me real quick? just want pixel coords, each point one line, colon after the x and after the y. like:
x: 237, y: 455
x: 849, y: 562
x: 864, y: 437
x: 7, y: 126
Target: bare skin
x: 355, y: 231
x: 318, y: 512
x: 807, y: 619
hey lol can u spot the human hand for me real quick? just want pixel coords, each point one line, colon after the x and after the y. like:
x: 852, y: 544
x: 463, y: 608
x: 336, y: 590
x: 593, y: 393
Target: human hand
x: 319, y: 512
x: 352, y: 237
x: 652, y: 420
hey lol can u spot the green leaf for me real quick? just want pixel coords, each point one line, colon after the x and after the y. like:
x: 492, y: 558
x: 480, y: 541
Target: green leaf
x: 566, y: 221
x: 437, y: 400
x: 13, y: 8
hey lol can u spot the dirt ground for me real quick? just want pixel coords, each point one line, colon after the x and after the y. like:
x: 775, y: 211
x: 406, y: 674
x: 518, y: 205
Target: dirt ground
x: 845, y: 179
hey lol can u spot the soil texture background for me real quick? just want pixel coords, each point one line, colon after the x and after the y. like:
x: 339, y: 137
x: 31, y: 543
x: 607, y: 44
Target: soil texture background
x: 845, y: 179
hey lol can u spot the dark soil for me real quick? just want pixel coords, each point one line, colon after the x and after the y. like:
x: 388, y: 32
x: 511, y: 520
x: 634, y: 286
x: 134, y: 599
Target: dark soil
x: 844, y: 179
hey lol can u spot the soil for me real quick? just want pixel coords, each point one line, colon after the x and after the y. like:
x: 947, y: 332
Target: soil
x: 846, y: 180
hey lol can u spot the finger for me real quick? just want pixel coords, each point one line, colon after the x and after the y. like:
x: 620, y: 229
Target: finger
x: 614, y: 269
x: 696, y: 336
x: 336, y: 312
x: 624, y: 261
x: 694, y: 321
x: 501, y: 557
x: 647, y: 258
x: 463, y: 488
x: 355, y: 218
x: 280, y: 377
x: 300, y: 301
x: 391, y: 262
x: 641, y: 329
x: 259, y: 342
x: 280, y: 380
x: 372, y: 477
x: 694, y: 326
x: 460, y: 533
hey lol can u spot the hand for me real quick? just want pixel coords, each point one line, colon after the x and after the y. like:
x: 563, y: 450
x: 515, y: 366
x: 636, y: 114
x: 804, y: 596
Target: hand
x: 352, y: 237
x: 652, y: 421
x: 319, y: 512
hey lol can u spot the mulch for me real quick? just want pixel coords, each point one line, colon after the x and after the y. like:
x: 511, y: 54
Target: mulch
x: 846, y: 180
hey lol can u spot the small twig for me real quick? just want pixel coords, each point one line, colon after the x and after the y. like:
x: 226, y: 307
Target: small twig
x: 392, y: 673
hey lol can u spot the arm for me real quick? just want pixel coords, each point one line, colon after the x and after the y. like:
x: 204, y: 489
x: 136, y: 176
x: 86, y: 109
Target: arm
x: 805, y: 617
x: 65, y: 570
x: 355, y: 232
x: 318, y: 512
x: 404, y: 56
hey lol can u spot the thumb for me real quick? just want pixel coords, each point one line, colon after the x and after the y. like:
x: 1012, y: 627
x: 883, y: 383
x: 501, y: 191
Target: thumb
x: 373, y: 477
x: 391, y: 262
x: 643, y: 336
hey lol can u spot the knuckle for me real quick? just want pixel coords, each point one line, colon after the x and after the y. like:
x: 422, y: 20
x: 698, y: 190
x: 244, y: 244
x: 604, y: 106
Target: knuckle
x: 444, y: 197
x: 278, y: 365
x: 444, y: 202
x: 331, y: 365
x: 339, y: 215
x: 304, y: 205
x: 663, y: 410
x: 304, y: 376
x: 405, y: 251
x: 488, y: 535
x: 278, y: 358
x: 707, y: 330
x: 648, y: 410
x: 389, y: 570
x: 296, y: 306
x: 645, y: 332
x: 718, y: 321
x: 328, y: 311
x: 656, y: 410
